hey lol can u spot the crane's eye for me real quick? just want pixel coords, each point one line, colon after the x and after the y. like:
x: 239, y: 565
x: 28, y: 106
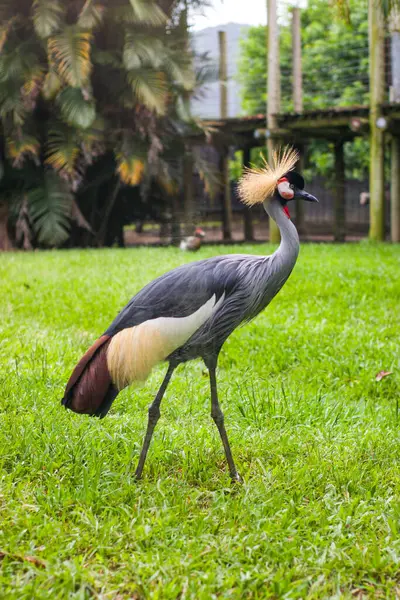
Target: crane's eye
x: 291, y: 186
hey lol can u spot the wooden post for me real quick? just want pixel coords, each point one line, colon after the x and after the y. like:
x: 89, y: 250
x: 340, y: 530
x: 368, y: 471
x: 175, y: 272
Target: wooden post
x: 175, y: 220
x: 187, y: 163
x: 298, y: 100
x: 223, y: 76
x: 377, y: 94
x: 296, y: 59
x: 340, y: 199
x: 248, y: 228
x: 225, y: 179
x: 395, y: 191
x: 273, y: 91
x: 394, y: 27
x: 300, y: 203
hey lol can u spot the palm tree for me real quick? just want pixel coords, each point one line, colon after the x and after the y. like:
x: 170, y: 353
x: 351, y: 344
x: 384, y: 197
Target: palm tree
x: 84, y: 84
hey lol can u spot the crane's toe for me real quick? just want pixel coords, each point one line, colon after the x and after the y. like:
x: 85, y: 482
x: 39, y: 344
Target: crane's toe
x: 236, y: 478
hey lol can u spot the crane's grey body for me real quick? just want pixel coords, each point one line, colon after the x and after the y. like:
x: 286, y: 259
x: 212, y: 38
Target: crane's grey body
x: 191, y: 311
x: 244, y: 284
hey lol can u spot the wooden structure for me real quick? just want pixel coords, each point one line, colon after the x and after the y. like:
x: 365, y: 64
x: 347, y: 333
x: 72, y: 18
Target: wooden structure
x: 337, y: 125
x: 380, y: 121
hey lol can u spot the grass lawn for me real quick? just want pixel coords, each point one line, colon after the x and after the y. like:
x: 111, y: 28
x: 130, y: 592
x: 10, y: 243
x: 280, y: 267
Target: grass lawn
x: 315, y: 437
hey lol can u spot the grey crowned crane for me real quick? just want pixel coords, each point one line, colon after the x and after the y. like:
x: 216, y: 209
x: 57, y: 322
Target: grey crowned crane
x: 189, y: 312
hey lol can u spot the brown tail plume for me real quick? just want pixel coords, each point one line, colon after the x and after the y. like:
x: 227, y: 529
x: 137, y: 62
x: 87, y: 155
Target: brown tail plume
x: 90, y: 389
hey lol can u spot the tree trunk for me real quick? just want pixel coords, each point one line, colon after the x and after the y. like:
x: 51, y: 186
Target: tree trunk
x: 226, y: 198
x: 377, y: 149
x: 175, y: 221
x: 273, y: 92
x: 395, y: 191
x: 296, y: 58
x: 188, y: 192
x: 5, y: 242
x: 340, y: 200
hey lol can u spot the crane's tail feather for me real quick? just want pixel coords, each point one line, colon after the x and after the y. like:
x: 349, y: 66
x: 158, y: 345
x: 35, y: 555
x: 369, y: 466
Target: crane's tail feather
x: 115, y: 362
x: 90, y: 389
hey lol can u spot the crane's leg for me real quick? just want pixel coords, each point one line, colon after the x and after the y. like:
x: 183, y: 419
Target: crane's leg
x: 154, y: 415
x: 218, y: 417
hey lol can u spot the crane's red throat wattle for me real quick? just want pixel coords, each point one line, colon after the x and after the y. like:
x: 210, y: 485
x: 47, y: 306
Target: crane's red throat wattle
x: 286, y: 211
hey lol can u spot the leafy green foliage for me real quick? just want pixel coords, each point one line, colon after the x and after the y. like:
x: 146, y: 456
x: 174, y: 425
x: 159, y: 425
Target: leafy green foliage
x: 50, y: 210
x: 314, y: 436
x: 76, y: 111
x: 66, y: 67
x: 91, y: 15
x: 335, y: 71
x: 141, y: 49
x: 22, y: 147
x: 70, y: 53
x: 334, y: 58
x: 148, y: 12
x: 47, y: 17
x: 149, y: 87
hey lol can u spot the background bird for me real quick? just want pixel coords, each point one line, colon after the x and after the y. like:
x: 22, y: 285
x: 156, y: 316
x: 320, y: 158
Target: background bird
x: 190, y: 311
x: 193, y: 242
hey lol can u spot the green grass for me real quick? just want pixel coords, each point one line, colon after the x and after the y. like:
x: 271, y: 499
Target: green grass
x: 315, y: 437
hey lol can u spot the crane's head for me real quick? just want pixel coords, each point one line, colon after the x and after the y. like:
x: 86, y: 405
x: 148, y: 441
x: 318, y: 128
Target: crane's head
x: 290, y: 187
x: 259, y: 185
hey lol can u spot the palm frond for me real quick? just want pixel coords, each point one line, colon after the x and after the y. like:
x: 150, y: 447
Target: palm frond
x: 149, y: 88
x: 22, y: 147
x: 91, y: 15
x: 5, y: 30
x: 75, y: 109
x: 11, y: 104
x: 19, y: 63
x: 50, y: 207
x: 142, y: 50
x: 130, y: 169
x: 62, y: 152
x: 32, y: 87
x: 70, y: 51
x: 92, y: 140
x: 51, y: 85
x: 166, y: 178
x: 147, y: 12
x: 180, y: 69
x: 48, y: 16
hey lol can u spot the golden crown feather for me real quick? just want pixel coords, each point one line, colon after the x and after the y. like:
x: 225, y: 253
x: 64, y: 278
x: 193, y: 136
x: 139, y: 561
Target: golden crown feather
x: 259, y: 183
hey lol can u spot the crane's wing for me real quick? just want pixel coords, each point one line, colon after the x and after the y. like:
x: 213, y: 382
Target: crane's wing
x: 181, y: 292
x: 192, y: 301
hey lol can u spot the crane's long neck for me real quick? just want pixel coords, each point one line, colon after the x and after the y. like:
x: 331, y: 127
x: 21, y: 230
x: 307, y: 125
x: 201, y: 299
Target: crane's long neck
x: 289, y: 247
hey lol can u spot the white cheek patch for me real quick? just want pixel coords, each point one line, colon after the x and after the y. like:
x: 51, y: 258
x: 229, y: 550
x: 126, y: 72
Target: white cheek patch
x: 285, y: 190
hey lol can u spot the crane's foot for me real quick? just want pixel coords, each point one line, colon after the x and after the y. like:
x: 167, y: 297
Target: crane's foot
x: 236, y: 479
x: 137, y: 477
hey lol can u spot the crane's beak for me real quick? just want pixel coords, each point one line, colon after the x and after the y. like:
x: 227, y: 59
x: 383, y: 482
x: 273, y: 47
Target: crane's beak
x: 305, y: 196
